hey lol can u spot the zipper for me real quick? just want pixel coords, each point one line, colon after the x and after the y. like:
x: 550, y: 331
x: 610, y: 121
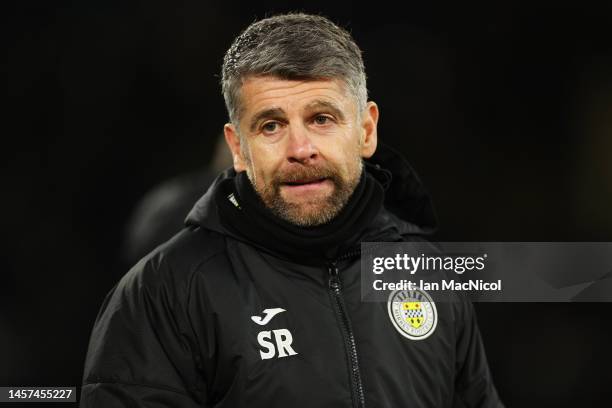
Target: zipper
x: 335, y: 290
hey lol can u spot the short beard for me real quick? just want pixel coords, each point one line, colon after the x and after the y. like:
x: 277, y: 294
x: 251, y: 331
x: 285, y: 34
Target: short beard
x: 325, y: 211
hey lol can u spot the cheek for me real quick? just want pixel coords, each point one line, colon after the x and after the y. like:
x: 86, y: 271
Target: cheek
x: 348, y: 154
x: 265, y: 163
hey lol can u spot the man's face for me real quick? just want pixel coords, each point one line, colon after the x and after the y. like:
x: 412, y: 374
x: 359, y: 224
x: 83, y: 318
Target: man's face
x: 301, y: 144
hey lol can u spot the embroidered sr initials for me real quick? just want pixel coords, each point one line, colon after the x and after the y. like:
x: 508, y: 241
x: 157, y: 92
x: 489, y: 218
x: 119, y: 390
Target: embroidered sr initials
x: 283, y: 340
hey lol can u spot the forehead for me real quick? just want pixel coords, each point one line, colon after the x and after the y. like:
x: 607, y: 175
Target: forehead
x: 266, y: 92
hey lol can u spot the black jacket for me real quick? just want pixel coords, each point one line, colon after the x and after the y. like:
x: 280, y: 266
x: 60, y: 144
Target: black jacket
x: 212, y: 320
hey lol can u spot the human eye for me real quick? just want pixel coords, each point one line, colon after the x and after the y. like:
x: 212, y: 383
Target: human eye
x: 269, y: 128
x: 322, y: 119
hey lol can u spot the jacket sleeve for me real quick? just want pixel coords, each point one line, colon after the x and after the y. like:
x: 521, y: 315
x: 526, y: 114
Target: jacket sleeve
x: 142, y: 352
x: 474, y: 386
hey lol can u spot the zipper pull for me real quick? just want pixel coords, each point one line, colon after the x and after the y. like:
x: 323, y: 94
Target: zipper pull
x: 334, y: 278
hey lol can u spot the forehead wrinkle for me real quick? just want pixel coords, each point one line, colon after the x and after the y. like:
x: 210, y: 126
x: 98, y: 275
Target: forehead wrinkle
x: 272, y: 85
x: 269, y: 94
x: 320, y: 98
x: 287, y: 83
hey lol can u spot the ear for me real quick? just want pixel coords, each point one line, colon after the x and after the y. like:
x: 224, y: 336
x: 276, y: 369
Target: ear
x: 233, y: 142
x: 369, y: 135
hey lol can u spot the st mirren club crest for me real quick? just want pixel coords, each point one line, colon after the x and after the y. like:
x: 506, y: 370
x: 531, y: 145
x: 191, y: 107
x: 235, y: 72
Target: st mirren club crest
x: 413, y: 313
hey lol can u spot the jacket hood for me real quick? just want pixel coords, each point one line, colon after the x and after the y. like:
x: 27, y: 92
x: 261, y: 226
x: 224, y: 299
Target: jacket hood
x: 408, y: 205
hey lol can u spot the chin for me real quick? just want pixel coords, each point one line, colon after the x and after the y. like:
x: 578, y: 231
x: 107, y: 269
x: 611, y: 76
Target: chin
x: 311, y: 215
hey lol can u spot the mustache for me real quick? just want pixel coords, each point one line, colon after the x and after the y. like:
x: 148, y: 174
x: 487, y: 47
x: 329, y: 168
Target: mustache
x: 305, y: 174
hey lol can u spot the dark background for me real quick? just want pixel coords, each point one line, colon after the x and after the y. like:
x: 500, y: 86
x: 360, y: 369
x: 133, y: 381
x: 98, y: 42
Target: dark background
x: 505, y: 110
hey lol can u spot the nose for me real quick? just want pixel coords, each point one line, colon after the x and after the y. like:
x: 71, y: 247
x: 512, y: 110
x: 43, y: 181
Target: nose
x: 301, y: 148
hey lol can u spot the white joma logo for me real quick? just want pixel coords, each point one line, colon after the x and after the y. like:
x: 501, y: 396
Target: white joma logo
x: 268, y: 315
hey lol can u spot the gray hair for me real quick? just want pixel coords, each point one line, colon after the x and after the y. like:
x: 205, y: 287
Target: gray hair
x: 293, y: 46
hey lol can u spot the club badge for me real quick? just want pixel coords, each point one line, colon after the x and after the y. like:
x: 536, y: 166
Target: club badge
x: 413, y: 313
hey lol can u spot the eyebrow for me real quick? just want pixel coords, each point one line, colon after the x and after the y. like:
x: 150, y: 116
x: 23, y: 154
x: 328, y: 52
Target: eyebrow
x: 276, y: 113
x: 326, y: 105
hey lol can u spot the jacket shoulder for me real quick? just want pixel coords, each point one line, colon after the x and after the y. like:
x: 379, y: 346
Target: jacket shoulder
x: 143, y: 333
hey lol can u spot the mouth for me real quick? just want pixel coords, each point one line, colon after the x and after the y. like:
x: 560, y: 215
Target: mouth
x: 306, y: 185
x: 304, y: 182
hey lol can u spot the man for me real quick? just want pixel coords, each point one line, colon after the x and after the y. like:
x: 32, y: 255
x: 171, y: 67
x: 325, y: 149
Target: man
x: 257, y: 302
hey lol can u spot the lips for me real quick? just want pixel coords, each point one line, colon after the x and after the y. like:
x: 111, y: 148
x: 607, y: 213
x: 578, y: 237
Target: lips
x: 304, y: 182
x: 307, y: 186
